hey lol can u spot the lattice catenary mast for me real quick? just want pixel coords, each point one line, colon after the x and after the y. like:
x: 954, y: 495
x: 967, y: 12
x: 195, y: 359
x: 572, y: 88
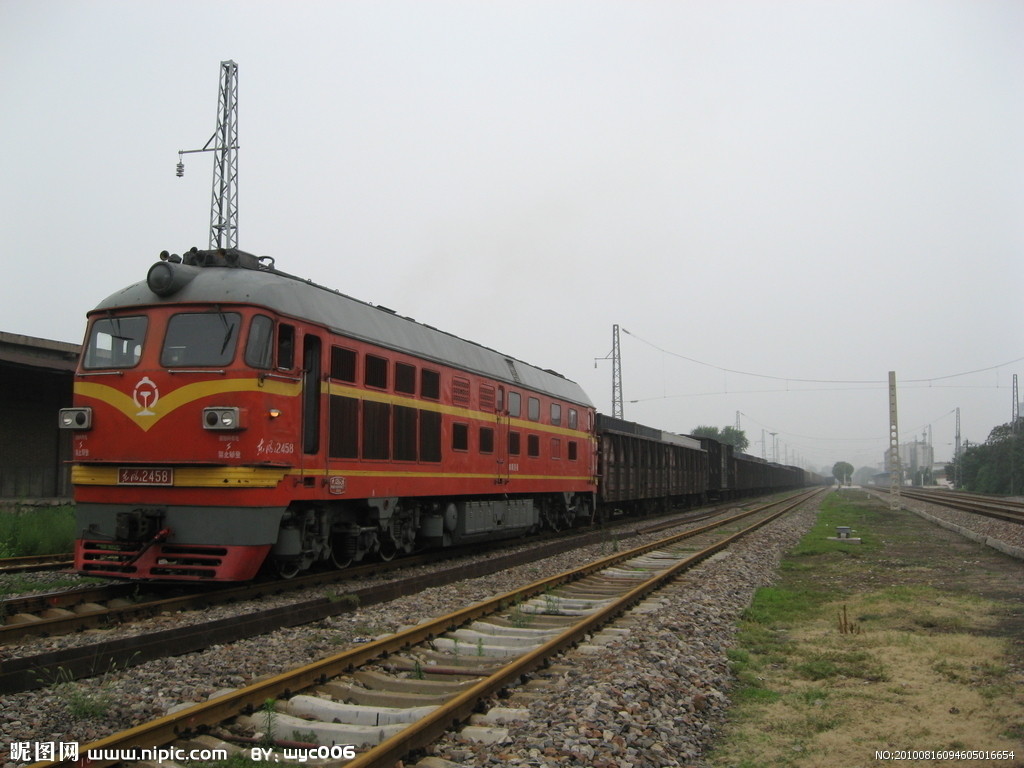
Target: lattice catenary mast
x: 616, y: 359
x: 224, y: 145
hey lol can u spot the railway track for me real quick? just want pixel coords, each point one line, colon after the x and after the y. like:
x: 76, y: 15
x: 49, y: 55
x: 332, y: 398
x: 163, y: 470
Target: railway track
x: 1001, y: 509
x: 479, y: 650
x: 33, y: 563
x: 60, y: 612
x: 108, y: 605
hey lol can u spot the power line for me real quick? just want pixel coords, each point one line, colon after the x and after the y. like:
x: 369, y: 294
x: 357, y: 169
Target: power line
x: 803, y: 389
x: 816, y: 381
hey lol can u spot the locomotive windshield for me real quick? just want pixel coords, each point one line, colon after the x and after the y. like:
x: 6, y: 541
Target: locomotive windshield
x: 115, y: 342
x: 206, y: 338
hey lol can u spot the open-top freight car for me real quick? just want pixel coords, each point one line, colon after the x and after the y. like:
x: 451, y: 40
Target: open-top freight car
x: 645, y: 470
x: 732, y: 474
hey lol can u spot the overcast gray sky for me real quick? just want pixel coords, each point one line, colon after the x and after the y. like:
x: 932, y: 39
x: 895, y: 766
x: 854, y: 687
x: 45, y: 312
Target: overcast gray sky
x: 813, y: 192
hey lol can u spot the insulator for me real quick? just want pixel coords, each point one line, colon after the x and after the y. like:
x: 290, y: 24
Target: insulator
x: 181, y: 169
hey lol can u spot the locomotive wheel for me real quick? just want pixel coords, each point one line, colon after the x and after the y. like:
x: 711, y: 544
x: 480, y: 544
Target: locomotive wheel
x: 341, y: 556
x: 550, y: 520
x: 583, y: 511
x: 556, y: 518
x: 388, y: 549
x: 287, y: 569
x: 339, y: 561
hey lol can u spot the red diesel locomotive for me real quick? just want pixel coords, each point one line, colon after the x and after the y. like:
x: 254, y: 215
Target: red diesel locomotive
x: 228, y: 415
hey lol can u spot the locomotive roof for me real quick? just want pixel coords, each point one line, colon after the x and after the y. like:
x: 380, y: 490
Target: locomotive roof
x: 303, y: 299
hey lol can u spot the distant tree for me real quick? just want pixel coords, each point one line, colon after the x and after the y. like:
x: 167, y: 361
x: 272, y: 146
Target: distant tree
x: 995, y: 466
x: 737, y: 438
x: 842, y: 471
x: 864, y: 475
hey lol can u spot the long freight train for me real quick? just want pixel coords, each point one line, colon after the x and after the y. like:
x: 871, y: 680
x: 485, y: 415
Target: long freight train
x: 229, y: 417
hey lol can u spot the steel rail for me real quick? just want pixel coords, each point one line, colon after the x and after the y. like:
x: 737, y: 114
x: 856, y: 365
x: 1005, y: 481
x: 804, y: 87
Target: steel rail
x: 206, y: 596
x: 1011, y: 512
x: 250, y: 698
x: 222, y: 593
x: 22, y: 673
x: 35, y: 563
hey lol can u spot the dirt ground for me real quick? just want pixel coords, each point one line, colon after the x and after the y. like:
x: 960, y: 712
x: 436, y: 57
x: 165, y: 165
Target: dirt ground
x: 920, y: 553
x: 931, y: 657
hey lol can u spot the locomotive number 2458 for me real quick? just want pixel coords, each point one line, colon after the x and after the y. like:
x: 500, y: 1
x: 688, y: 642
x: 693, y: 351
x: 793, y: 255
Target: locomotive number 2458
x: 264, y: 447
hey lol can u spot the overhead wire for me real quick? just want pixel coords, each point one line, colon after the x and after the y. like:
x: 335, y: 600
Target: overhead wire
x: 815, y: 381
x: 871, y: 384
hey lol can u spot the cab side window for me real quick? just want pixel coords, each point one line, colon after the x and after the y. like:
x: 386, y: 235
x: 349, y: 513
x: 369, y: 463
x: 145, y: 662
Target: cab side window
x: 259, y: 349
x: 286, y: 346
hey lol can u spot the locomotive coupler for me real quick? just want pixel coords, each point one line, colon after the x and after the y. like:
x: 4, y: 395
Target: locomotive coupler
x: 138, y: 524
x: 160, y: 536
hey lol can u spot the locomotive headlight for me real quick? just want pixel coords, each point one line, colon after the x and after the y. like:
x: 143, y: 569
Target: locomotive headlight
x: 223, y: 418
x: 75, y: 418
x: 168, y: 277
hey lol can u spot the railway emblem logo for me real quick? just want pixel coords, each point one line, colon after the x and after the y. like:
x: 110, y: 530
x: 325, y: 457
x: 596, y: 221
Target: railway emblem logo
x: 146, y: 396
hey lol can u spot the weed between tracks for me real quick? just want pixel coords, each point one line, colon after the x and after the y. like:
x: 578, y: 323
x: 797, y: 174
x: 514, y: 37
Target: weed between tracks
x: 26, y: 530
x: 84, y: 699
x: 909, y: 640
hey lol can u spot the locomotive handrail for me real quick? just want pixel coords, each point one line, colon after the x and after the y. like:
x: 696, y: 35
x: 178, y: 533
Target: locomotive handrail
x: 265, y: 375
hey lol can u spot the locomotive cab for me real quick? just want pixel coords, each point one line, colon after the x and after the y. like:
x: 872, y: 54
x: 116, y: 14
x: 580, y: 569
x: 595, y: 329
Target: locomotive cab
x: 182, y: 417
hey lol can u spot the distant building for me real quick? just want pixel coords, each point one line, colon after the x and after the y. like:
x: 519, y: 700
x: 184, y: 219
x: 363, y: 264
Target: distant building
x: 917, y: 462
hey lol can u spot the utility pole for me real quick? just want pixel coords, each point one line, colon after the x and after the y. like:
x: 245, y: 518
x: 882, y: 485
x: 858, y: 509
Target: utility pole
x: 895, y: 476
x: 1014, y: 435
x: 1015, y: 411
x: 224, y: 145
x: 956, y: 454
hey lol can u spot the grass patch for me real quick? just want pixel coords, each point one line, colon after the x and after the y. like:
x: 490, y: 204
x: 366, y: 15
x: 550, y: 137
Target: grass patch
x: 28, y: 531
x: 17, y: 584
x: 853, y: 509
x: 781, y: 605
x: 921, y: 670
